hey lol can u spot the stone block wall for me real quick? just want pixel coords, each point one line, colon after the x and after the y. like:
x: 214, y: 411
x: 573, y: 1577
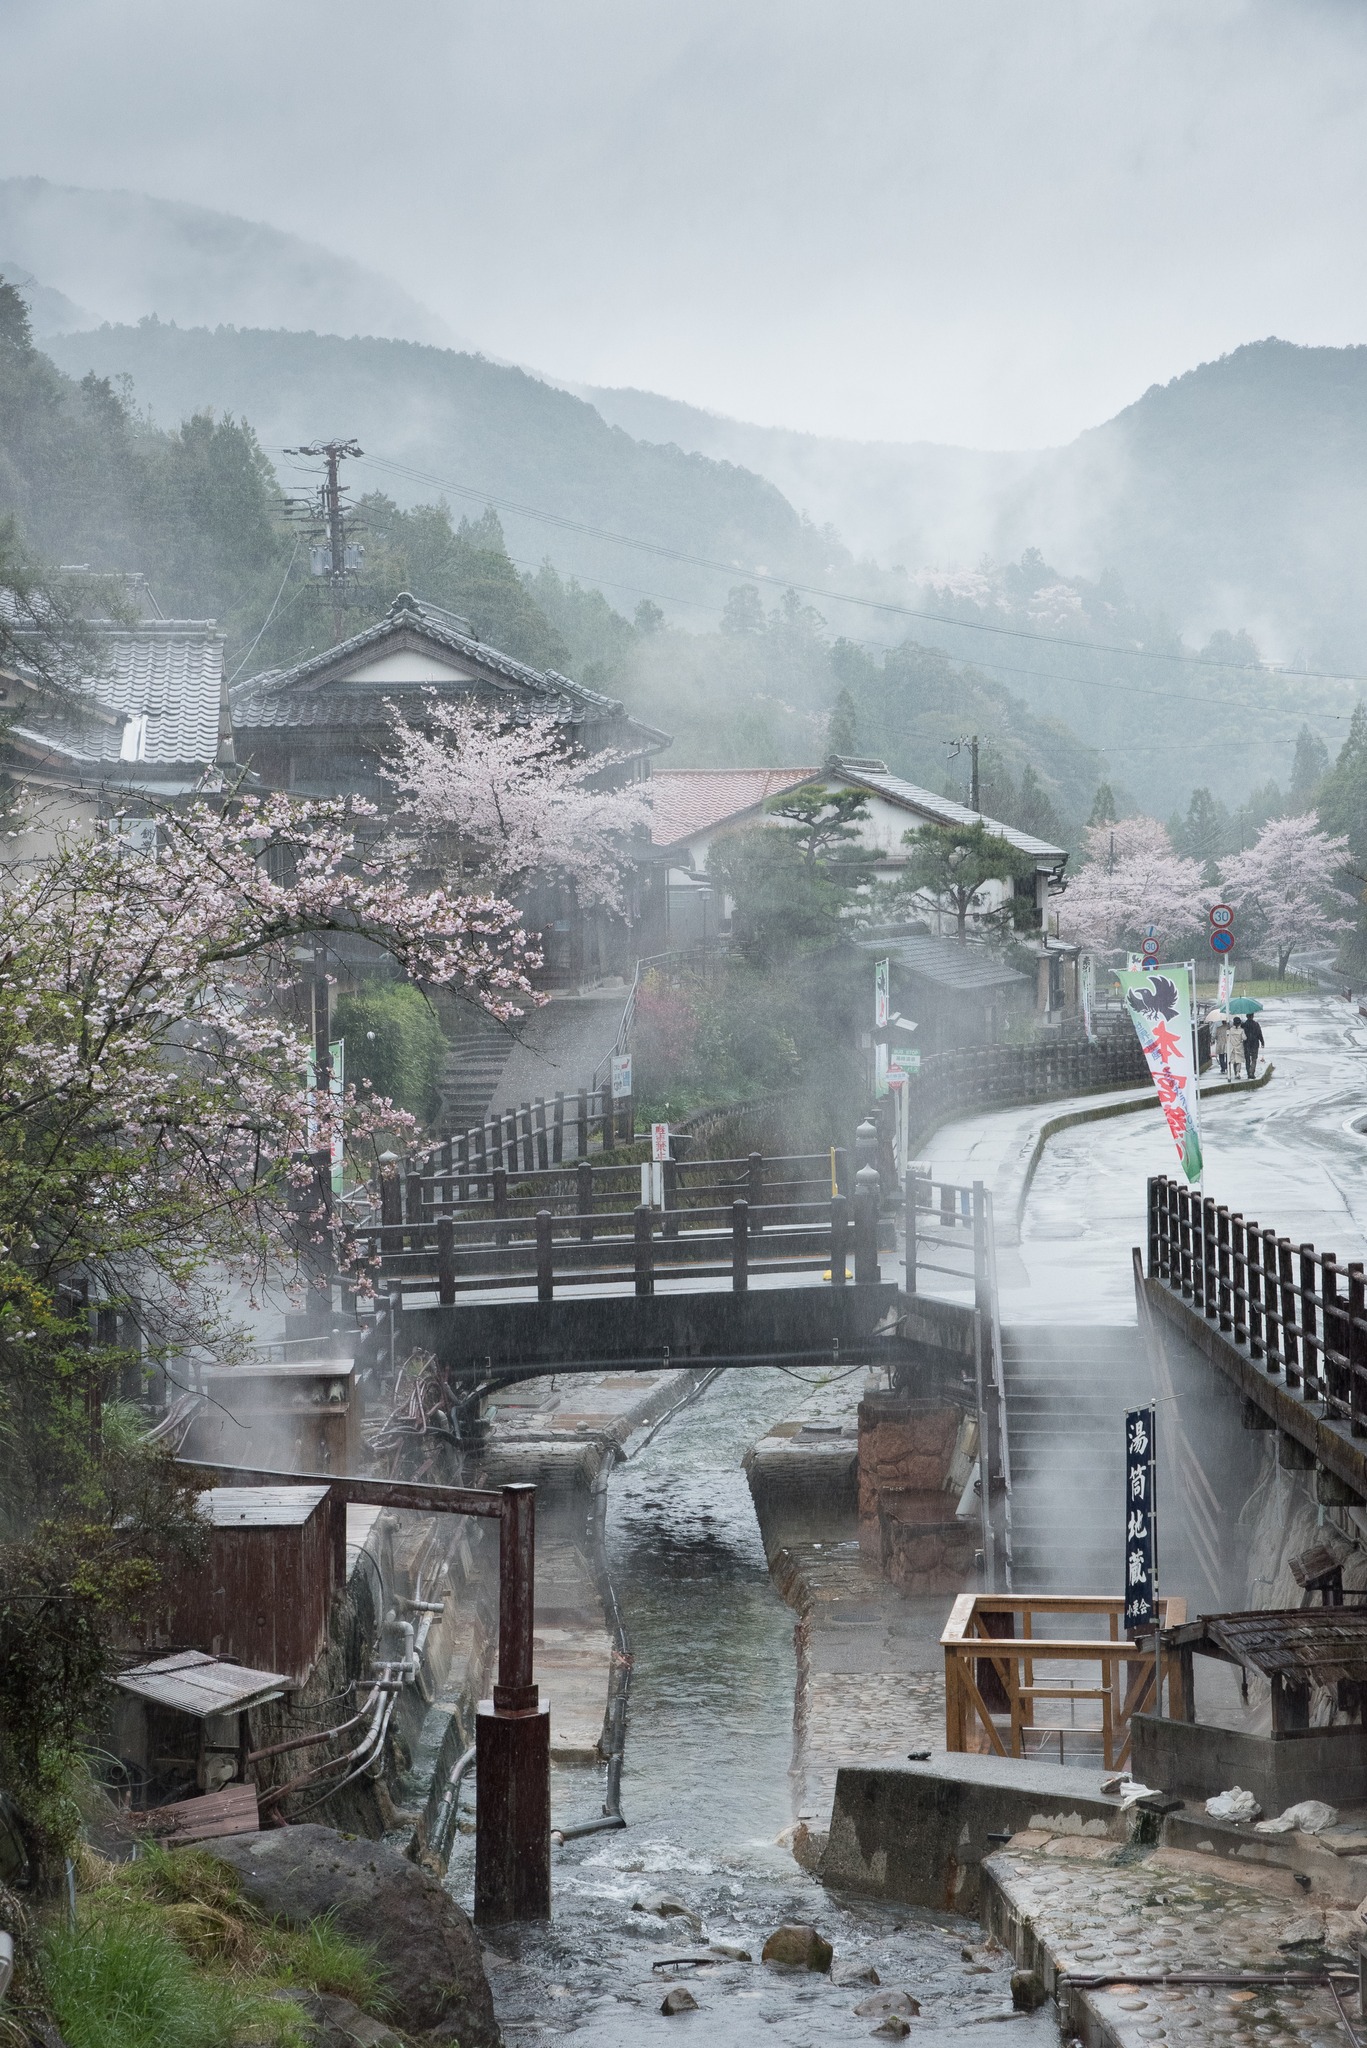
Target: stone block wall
x: 914, y: 1461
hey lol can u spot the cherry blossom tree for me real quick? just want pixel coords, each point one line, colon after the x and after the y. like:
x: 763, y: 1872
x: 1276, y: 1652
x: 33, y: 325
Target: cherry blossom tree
x: 1131, y: 879
x: 503, y: 799
x: 1284, y: 887
x: 154, y: 1119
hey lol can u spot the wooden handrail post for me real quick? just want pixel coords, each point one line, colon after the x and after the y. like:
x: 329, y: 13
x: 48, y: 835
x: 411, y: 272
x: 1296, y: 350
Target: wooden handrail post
x: 1222, y: 1298
x: 840, y: 1231
x: 446, y: 1262
x: 543, y: 1154
x: 583, y: 1191
x: 545, y: 1271
x: 740, y: 1246
x: 581, y: 1124
x: 1253, y: 1240
x: 558, y: 1129
x: 669, y: 1180
x: 644, y: 1249
x: 500, y: 1204
x: 754, y: 1189
x: 1356, y: 1348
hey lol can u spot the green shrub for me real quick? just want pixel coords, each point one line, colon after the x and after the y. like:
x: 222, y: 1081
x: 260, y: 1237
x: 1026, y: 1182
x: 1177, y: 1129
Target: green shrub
x: 394, y: 1042
x: 119, y: 1979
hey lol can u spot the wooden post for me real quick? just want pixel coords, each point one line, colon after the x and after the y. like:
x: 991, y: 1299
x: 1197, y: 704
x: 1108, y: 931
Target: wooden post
x: 584, y: 1199
x: 545, y: 1275
x: 543, y: 1154
x: 740, y: 1246
x: 1209, y: 1305
x: 463, y: 1178
x: 446, y: 1262
x: 755, y: 1191
x: 911, y: 1232
x: 1357, y: 1351
x: 1222, y: 1267
x: 500, y: 1204
x: 840, y: 1221
x: 669, y: 1179
x: 1253, y: 1239
x: 512, y: 1743
x: 644, y: 1249
x: 581, y: 1125
x: 528, y: 1149
x: 1157, y: 1189
x: 558, y: 1129
x: 1311, y: 1344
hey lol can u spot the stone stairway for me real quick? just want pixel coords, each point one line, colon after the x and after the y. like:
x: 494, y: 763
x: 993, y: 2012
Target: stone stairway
x: 478, y: 1049
x: 1067, y: 1388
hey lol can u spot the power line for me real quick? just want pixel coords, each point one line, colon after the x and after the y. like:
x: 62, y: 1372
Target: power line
x: 885, y: 605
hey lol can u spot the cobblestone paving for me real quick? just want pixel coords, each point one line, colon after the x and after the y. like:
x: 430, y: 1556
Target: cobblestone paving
x: 1069, y: 1914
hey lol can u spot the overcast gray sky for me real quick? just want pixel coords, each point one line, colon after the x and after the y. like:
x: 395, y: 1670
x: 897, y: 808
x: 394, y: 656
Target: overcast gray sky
x: 984, y: 221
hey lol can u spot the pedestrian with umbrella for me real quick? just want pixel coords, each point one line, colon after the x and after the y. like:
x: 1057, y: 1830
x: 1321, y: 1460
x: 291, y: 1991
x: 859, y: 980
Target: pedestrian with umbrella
x: 1251, y: 1031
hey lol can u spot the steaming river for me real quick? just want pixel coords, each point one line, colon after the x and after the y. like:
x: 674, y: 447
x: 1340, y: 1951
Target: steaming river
x: 706, y: 1792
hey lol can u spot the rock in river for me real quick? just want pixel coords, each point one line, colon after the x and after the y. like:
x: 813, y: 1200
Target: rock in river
x: 678, y: 2000
x: 434, y: 1976
x: 666, y: 1908
x: 798, y: 1947
x: 884, y: 2005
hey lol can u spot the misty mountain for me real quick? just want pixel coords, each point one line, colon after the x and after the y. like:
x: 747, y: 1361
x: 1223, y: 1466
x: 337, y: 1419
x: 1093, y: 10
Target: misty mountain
x: 120, y: 255
x: 1233, y: 497
x: 434, y: 420
x: 911, y: 502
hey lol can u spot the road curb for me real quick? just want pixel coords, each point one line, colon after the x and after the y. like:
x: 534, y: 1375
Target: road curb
x: 1104, y: 1110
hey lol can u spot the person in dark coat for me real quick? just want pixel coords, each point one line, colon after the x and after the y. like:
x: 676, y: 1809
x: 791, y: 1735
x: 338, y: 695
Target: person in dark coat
x: 1253, y: 1045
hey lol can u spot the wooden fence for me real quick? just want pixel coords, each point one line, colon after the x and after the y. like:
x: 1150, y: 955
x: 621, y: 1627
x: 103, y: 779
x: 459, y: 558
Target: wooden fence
x: 1302, y: 1313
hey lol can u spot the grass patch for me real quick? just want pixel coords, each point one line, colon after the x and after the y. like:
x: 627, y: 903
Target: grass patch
x: 120, y: 1979
x: 167, y: 1953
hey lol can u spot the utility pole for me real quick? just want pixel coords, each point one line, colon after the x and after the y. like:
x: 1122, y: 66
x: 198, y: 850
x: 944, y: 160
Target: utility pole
x: 339, y: 559
x: 957, y: 747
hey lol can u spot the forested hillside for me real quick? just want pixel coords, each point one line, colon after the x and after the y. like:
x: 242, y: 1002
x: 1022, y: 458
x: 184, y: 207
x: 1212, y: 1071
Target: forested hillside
x: 197, y: 509
x: 458, y: 420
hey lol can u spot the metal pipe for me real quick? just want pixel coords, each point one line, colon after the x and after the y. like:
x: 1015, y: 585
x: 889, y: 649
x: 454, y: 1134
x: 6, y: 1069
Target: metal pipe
x: 450, y: 1804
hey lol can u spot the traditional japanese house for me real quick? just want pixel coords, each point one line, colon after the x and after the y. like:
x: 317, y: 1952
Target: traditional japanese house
x: 323, y: 728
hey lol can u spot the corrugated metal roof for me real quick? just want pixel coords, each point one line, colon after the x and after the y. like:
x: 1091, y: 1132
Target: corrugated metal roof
x: 193, y: 1683
x: 945, y: 962
x: 689, y: 800
x: 936, y: 810
x: 260, y: 1507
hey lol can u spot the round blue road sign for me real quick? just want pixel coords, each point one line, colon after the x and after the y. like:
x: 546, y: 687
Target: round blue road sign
x: 1222, y: 942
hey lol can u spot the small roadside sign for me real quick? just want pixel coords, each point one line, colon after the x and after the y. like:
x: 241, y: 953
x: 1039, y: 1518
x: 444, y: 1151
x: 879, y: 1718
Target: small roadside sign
x: 1150, y: 950
x: 1222, y: 941
x: 1221, y: 916
x: 621, y: 1076
x: 659, y: 1141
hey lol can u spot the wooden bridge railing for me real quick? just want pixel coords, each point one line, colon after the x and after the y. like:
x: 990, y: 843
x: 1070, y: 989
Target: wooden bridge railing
x: 1302, y: 1313
x: 763, y: 1216
x: 993, y: 1646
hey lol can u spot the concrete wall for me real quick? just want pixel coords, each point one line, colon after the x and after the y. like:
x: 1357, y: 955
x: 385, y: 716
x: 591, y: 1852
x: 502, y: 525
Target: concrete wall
x: 918, y: 1832
x: 1195, y: 1761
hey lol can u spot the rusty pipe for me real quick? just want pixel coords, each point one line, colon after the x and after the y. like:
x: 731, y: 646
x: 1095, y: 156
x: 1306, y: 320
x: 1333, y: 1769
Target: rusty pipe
x: 384, y: 1690
x: 514, y: 1689
x: 256, y: 1756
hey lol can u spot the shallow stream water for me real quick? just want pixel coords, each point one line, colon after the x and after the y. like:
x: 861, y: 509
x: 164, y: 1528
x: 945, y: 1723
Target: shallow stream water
x: 706, y: 1794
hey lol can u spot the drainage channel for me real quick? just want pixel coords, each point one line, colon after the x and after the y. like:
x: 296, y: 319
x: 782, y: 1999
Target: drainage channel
x: 706, y: 1794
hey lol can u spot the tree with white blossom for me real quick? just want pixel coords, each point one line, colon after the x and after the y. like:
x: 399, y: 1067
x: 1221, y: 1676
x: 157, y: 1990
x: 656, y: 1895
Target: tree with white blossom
x: 1285, y: 887
x: 1132, y: 879
x: 501, y: 798
x: 153, y: 1111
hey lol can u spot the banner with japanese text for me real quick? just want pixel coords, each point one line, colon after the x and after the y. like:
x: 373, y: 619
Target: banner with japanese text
x: 1086, y: 988
x: 1140, y: 1561
x: 1159, y: 1002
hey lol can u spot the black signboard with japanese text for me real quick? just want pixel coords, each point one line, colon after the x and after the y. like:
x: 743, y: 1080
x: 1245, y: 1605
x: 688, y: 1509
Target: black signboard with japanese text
x: 1141, y: 1564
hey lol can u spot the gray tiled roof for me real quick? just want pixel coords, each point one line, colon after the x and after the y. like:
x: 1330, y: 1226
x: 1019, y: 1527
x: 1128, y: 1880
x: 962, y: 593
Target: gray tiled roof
x: 939, y: 810
x: 315, y: 693
x: 156, y: 700
x: 965, y: 968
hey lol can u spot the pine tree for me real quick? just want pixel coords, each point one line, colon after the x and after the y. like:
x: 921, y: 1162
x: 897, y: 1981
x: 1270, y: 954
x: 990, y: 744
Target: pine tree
x: 1103, y: 806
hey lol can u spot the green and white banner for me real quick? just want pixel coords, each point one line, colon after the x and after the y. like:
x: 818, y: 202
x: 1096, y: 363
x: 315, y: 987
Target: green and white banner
x: 1159, y: 1001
